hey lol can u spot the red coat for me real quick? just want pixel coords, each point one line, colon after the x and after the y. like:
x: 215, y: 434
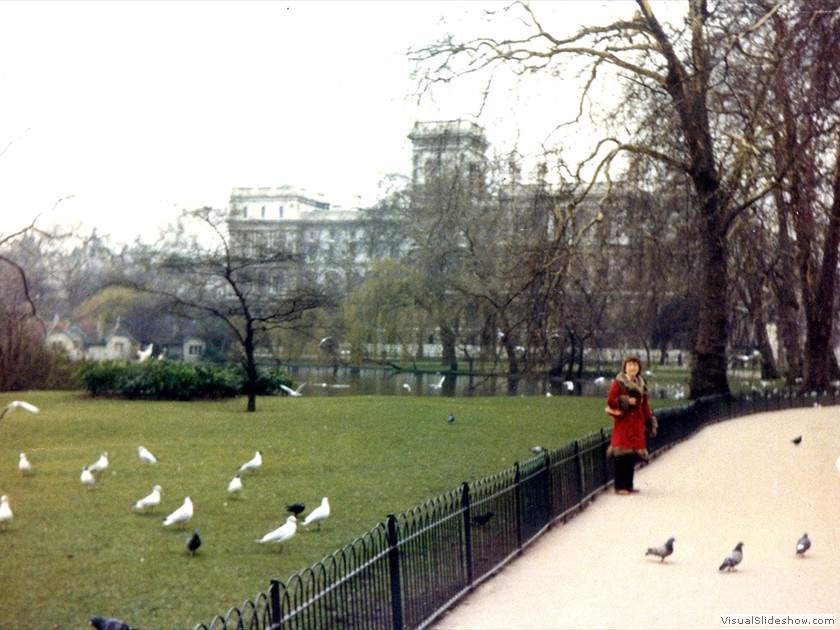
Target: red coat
x: 629, y: 430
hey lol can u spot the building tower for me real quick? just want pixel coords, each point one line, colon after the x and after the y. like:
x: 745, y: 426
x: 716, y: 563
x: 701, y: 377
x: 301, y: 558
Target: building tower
x: 451, y: 146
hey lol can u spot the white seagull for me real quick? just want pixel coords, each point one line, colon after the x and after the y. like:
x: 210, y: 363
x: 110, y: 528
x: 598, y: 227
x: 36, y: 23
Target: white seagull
x: 292, y: 392
x: 87, y: 477
x: 18, y: 404
x: 5, y: 511
x: 320, y: 513
x: 142, y: 355
x: 235, y: 484
x: 256, y: 462
x: 151, y: 500
x: 406, y: 387
x: 145, y: 455
x: 23, y: 464
x: 282, y: 533
x: 100, y: 464
x: 439, y: 384
x: 181, y: 515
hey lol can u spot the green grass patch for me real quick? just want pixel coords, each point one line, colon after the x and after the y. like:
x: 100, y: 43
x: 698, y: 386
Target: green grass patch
x: 73, y: 552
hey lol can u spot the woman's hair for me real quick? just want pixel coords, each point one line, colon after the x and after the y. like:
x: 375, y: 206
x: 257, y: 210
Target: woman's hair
x: 631, y: 357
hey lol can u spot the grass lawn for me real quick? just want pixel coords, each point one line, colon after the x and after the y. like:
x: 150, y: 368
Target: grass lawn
x: 72, y: 552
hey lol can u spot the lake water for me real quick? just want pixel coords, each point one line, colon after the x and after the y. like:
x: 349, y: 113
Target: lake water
x: 348, y: 381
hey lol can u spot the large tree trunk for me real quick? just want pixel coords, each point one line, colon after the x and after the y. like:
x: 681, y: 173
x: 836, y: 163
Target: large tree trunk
x: 708, y: 371
x: 790, y: 334
x: 250, y: 371
x: 819, y: 310
x: 769, y: 369
x: 447, y: 340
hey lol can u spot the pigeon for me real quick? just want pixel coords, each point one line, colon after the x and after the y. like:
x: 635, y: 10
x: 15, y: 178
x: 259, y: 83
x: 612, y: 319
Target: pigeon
x: 256, y: 462
x: 296, y: 508
x: 150, y: 500
x: 181, y: 515
x: 282, y: 533
x: 320, y: 513
x: 18, y: 404
x: 733, y: 559
x: 482, y: 519
x: 663, y: 552
x: 5, y: 511
x: 193, y: 542
x: 87, y: 477
x: 145, y: 455
x: 23, y: 464
x: 100, y: 464
x: 803, y: 545
x: 451, y: 417
x: 797, y: 440
x: 108, y: 623
x: 292, y: 392
x: 235, y: 484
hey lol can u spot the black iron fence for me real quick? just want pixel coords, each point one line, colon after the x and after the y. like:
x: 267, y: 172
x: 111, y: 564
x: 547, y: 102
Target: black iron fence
x: 411, y: 568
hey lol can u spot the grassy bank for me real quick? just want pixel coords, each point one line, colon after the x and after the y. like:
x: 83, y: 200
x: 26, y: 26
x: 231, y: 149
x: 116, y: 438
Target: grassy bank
x: 72, y: 552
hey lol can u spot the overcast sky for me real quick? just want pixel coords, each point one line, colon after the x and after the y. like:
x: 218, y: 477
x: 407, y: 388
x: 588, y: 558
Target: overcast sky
x: 131, y: 111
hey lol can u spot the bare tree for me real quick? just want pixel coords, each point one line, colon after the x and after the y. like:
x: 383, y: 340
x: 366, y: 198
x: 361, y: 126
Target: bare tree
x: 244, y: 285
x: 805, y: 151
x: 681, y: 68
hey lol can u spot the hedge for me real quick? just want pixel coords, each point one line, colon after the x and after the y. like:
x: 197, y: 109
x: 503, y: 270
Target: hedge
x: 173, y: 380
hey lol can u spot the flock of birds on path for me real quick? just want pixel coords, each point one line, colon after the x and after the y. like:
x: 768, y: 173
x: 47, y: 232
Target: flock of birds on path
x: 735, y: 556
x: 732, y: 559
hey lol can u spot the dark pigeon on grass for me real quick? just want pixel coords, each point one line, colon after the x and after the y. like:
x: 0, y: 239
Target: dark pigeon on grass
x: 193, y: 542
x: 662, y: 552
x: 803, y: 545
x: 482, y: 519
x: 797, y: 440
x: 108, y: 623
x: 451, y: 417
x: 296, y: 508
x: 733, y: 559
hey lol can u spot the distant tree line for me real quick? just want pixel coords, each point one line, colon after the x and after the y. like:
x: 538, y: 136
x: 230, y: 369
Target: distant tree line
x: 708, y: 209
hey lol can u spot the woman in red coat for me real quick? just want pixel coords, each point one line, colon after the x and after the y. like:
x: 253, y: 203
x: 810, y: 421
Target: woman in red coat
x: 629, y: 396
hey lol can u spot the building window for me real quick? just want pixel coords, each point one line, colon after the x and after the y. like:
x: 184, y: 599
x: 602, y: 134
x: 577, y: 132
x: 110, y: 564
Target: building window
x: 262, y: 212
x: 194, y: 350
x: 280, y: 213
x: 244, y: 212
x: 119, y: 347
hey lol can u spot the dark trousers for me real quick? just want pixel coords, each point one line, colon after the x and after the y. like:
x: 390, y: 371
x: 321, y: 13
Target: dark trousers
x: 624, y: 468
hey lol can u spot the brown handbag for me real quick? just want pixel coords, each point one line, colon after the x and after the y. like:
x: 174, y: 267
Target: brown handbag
x: 612, y: 411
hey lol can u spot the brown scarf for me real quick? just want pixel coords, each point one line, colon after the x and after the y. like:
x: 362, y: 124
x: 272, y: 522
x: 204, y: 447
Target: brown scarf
x: 634, y: 387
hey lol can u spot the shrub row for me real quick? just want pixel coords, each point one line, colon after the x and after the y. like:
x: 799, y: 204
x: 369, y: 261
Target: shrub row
x: 173, y: 380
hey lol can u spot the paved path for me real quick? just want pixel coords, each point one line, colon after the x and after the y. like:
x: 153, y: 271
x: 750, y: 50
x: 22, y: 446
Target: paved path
x: 739, y: 480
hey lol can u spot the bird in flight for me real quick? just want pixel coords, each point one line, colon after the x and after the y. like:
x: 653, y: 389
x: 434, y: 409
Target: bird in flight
x: 293, y: 392
x: 18, y: 404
